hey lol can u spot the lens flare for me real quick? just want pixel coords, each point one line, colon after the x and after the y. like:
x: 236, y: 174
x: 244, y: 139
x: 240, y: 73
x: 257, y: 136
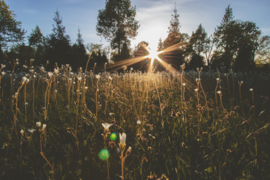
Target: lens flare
x: 153, y: 55
x: 104, y: 154
x: 113, y: 136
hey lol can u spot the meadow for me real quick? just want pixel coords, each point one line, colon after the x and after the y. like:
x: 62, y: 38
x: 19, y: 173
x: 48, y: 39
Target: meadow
x: 180, y: 125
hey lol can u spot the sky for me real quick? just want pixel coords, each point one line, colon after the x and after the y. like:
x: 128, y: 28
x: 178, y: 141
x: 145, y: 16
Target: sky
x: 153, y: 15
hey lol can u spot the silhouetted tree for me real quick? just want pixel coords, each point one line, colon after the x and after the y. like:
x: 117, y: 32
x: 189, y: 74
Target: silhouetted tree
x: 160, y: 44
x: 79, y: 53
x: 245, y: 58
x: 210, y: 42
x: 197, y: 45
x: 174, y: 27
x: 10, y: 29
x: 175, y: 58
x: 125, y: 54
x: 117, y: 23
x: 263, y: 51
x: 233, y: 34
x: 140, y: 51
x: 36, y: 41
x: 35, y: 38
x: 196, y: 61
x: 58, y: 44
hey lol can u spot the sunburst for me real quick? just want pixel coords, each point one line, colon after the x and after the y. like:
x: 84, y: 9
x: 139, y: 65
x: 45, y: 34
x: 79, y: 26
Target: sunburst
x: 153, y: 55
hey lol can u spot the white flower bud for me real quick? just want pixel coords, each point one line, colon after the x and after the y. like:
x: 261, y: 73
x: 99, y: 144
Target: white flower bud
x: 38, y: 124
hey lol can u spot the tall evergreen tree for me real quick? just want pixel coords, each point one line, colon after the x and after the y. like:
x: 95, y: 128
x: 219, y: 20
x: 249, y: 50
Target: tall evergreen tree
x: 35, y: 38
x: 160, y: 44
x: 58, y: 43
x: 174, y: 23
x: 10, y: 29
x: 79, y: 52
x: 224, y: 33
x: 174, y: 58
x: 117, y: 23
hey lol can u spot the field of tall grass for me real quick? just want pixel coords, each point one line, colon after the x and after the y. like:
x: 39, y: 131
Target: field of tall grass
x: 184, y: 125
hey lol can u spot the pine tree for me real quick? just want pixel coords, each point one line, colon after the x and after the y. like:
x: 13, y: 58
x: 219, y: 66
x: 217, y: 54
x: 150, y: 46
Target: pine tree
x: 58, y: 44
x: 79, y: 52
x: 174, y: 23
x: 35, y: 38
x: 160, y: 44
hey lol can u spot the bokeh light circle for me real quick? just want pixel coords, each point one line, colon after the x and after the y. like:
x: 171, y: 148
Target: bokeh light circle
x: 113, y: 136
x: 104, y: 154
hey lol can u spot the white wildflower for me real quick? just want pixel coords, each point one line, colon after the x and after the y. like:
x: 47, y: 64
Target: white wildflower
x: 31, y: 130
x: 38, y: 124
x: 106, y: 126
x: 50, y: 74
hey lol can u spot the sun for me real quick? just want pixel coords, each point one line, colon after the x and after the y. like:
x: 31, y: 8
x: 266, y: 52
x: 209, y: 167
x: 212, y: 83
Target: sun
x: 153, y: 54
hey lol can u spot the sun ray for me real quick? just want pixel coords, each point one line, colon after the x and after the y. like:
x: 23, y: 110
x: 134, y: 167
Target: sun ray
x: 152, y: 56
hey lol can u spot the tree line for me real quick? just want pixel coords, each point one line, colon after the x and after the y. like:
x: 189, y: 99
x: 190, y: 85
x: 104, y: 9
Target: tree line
x: 234, y: 44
